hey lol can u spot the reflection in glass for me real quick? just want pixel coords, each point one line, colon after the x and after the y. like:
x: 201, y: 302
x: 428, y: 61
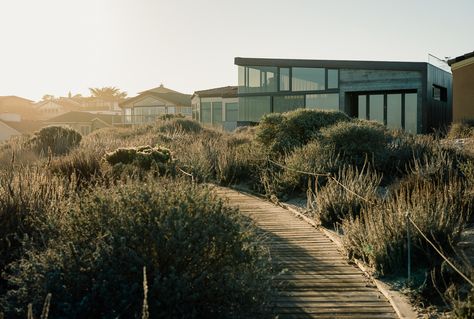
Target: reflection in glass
x: 376, y: 108
x: 231, y: 112
x: 411, y: 106
x: 216, y: 112
x: 323, y: 101
x: 284, y: 79
x: 308, y: 79
x: 253, y: 108
x: 362, y: 107
x: 257, y: 79
x: 287, y: 103
x: 333, y: 79
x: 394, y: 111
x: 206, y: 112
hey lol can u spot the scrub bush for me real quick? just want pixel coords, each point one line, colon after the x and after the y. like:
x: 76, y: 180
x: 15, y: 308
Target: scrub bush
x: 55, y: 139
x: 335, y: 203
x: 182, y: 125
x: 464, y: 129
x: 203, y: 259
x: 26, y: 195
x: 80, y: 164
x: 283, y: 132
x: 143, y: 157
x: 357, y: 141
x: 378, y: 235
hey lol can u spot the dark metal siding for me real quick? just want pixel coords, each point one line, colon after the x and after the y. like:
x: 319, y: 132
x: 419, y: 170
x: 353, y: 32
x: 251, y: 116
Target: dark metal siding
x: 438, y: 113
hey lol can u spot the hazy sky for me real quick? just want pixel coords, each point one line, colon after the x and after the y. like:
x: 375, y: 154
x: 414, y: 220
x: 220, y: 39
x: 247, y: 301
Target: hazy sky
x: 57, y: 46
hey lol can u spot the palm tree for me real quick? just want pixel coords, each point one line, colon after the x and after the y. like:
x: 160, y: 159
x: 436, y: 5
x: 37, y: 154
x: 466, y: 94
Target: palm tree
x: 47, y: 97
x: 110, y: 93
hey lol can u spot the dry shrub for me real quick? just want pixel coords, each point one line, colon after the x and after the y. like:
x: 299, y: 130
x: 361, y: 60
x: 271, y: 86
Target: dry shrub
x: 437, y: 206
x: 334, y: 203
x: 203, y: 259
x: 463, y: 129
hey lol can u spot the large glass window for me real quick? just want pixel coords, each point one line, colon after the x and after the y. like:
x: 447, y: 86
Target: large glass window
x: 323, y: 101
x: 394, y: 111
x: 242, y: 73
x: 362, y: 107
x: 287, y: 103
x: 284, y: 79
x: 253, y: 108
x: 333, y: 79
x: 206, y: 112
x: 217, y: 113
x: 257, y: 79
x: 376, y: 108
x: 411, y: 113
x: 231, y: 112
x: 308, y: 79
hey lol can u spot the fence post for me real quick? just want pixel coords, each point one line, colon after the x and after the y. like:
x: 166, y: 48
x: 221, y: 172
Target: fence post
x: 407, y: 217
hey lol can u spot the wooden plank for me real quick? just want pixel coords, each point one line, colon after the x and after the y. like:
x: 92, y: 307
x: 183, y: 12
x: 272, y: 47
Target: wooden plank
x: 317, y: 281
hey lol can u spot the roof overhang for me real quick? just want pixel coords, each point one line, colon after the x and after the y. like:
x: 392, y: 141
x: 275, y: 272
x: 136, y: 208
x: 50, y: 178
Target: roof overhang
x: 337, y: 64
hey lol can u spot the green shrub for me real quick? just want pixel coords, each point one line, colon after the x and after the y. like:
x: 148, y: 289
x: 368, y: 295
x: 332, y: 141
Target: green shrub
x: 357, y: 141
x: 203, y: 259
x: 55, y: 139
x: 312, y: 158
x: 143, y: 157
x: 284, y: 132
x: 334, y: 203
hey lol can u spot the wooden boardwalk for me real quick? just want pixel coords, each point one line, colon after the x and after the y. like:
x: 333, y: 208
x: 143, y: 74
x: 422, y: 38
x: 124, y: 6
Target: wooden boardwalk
x: 319, y: 282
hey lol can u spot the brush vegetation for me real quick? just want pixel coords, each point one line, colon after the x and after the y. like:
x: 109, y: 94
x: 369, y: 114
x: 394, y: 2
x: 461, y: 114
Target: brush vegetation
x: 83, y: 221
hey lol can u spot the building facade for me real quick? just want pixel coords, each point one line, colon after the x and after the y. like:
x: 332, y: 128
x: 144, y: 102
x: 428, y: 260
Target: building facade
x: 149, y: 105
x: 218, y: 107
x: 463, y: 87
x: 413, y: 96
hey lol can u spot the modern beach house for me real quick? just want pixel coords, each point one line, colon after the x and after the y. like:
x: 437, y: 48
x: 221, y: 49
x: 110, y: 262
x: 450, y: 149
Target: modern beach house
x: 414, y: 96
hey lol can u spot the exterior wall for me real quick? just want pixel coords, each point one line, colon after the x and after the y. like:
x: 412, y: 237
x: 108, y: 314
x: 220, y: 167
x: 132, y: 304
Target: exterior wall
x: 131, y: 111
x: 6, y: 132
x: 463, y: 90
x: 223, y: 122
x: 438, y: 112
x: 50, y: 109
x: 357, y: 81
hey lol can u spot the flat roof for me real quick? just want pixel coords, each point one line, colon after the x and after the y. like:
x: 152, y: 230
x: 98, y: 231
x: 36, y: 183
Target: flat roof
x: 337, y: 64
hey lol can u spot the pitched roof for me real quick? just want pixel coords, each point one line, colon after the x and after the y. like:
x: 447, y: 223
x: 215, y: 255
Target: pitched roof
x: 225, y: 91
x: 162, y: 93
x: 25, y: 126
x: 80, y: 117
x: 68, y: 105
x: 159, y: 89
x: 4, y: 99
x: 461, y: 58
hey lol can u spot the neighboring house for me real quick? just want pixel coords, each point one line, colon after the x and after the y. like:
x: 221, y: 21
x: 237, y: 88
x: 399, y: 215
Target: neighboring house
x: 6, y: 131
x: 218, y: 107
x: 83, y: 122
x: 12, y: 125
x: 414, y: 96
x: 148, y: 105
x: 463, y: 87
x: 18, y: 105
x: 50, y: 108
x: 91, y: 103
